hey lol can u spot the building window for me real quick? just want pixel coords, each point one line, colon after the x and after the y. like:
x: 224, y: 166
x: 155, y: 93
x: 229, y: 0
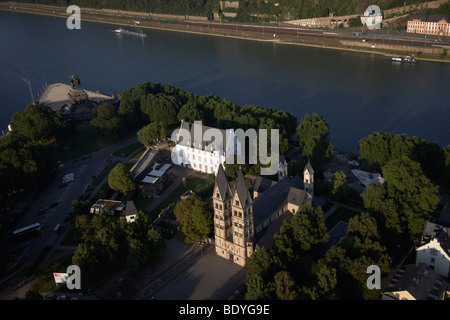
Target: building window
x: 433, y: 252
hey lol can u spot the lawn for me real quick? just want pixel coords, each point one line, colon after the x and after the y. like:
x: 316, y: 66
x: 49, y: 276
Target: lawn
x: 142, y: 203
x: 105, y: 171
x: 81, y: 145
x: 128, y: 150
x: 90, y: 141
x: 69, y: 238
x: 341, y: 214
x: 191, y: 184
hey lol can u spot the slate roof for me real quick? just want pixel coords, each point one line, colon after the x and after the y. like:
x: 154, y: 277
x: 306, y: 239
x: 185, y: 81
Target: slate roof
x: 222, y: 182
x: 130, y: 209
x: 420, y: 281
x: 272, y: 199
x: 241, y: 189
x: 436, y: 231
x: 309, y: 167
x: 262, y: 184
x: 195, y: 140
x: 264, y: 237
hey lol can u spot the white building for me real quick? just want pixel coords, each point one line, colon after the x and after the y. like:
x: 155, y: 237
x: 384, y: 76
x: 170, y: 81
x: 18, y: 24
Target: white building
x: 372, y: 17
x: 197, y: 147
x: 434, y: 249
x: 367, y: 178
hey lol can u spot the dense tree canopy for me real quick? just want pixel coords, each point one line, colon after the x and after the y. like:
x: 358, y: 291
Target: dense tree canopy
x: 120, y: 179
x: 290, y: 268
x: 151, y: 133
x: 37, y: 122
x: 339, y: 188
x: 24, y: 165
x: 380, y: 148
x: 106, y: 241
x: 313, y: 136
x: 194, y: 218
x: 108, y: 121
x: 407, y: 196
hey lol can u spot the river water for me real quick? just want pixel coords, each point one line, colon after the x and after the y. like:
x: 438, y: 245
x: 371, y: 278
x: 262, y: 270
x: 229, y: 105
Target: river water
x: 356, y: 93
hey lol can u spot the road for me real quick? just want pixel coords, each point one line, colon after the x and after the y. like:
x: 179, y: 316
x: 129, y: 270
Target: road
x: 83, y: 168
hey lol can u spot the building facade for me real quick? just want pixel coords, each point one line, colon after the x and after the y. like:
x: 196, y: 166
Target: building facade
x: 244, y: 220
x: 195, y: 151
x: 422, y: 23
x: 434, y: 249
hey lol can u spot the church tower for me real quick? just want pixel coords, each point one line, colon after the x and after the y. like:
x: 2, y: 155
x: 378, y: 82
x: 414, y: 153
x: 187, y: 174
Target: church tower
x: 282, y: 169
x: 222, y: 213
x: 242, y: 220
x: 308, y: 179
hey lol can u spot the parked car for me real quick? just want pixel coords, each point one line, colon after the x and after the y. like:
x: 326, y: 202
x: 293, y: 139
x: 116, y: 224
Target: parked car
x: 50, y: 296
x: 63, y: 297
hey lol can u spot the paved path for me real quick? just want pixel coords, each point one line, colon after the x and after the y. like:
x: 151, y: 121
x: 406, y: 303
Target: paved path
x: 210, y: 277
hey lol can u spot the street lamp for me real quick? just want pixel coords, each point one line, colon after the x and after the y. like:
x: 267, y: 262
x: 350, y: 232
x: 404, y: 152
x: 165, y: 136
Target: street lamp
x: 29, y: 86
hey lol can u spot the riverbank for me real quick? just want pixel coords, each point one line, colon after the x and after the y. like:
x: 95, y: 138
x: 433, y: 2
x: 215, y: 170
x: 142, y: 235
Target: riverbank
x: 268, y: 33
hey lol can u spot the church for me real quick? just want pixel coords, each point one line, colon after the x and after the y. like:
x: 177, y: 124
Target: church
x: 247, y: 216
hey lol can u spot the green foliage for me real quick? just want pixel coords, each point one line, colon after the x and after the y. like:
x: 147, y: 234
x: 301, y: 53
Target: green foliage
x: 161, y: 108
x: 354, y: 22
x: 194, y: 218
x: 288, y: 269
x: 312, y: 134
x: 24, y: 165
x: 406, y: 199
x: 108, y: 122
x: 120, y: 179
x: 339, y: 187
x: 106, y: 242
x: 153, y: 132
x: 379, y: 148
x: 37, y: 122
x: 360, y: 248
x: 447, y: 164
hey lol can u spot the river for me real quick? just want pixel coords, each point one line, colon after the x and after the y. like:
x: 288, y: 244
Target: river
x: 356, y: 93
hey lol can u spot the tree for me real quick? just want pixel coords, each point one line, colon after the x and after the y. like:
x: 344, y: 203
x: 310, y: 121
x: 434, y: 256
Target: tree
x: 37, y: 122
x: 413, y: 193
x: 120, y: 179
x: 145, y: 243
x: 339, y: 187
x: 375, y: 148
x: 195, y: 220
x: 285, y: 287
x: 130, y: 114
x: 151, y: 133
x: 108, y: 121
x: 307, y: 228
x: 447, y: 164
x: 313, y: 133
x: 161, y: 108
